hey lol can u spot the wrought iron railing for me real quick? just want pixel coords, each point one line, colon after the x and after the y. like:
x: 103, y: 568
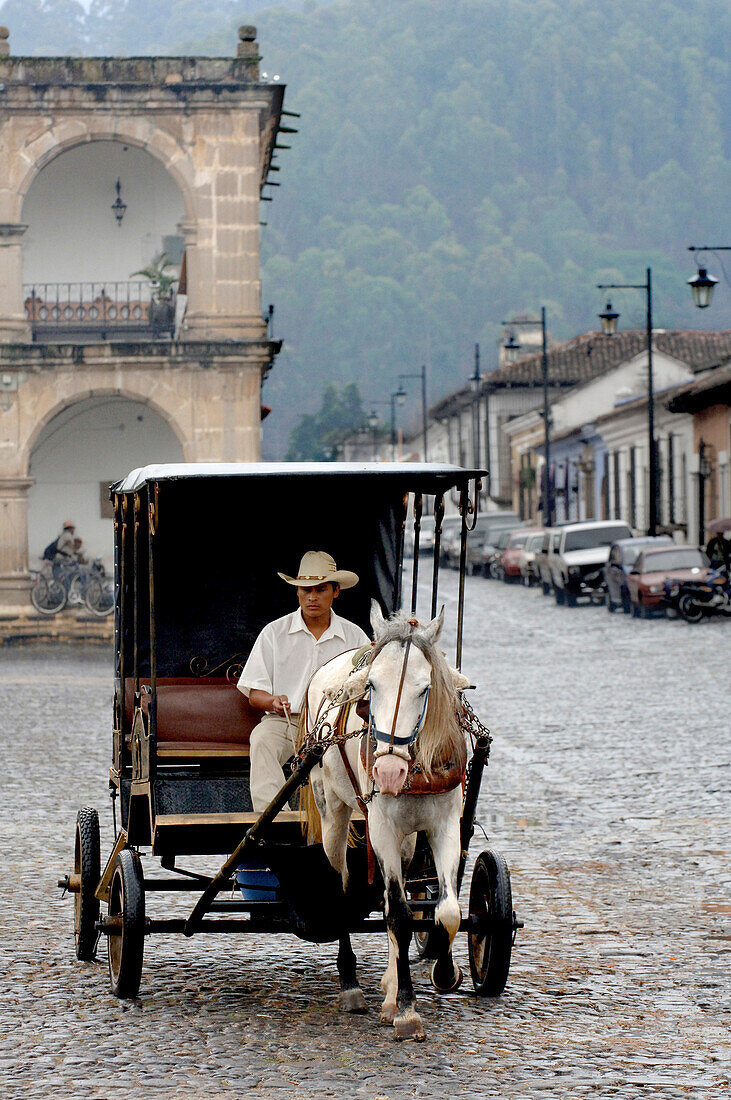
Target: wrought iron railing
x: 102, y: 310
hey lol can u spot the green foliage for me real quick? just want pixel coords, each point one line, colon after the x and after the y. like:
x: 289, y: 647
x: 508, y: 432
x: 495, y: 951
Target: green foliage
x: 317, y: 435
x: 161, y: 280
x: 459, y: 161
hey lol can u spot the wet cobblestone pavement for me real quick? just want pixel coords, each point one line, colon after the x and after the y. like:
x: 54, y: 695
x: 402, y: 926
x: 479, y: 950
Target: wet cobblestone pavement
x: 608, y: 791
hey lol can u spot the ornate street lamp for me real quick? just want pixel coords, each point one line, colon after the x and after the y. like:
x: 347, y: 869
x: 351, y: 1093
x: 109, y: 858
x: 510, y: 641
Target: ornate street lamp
x: 422, y: 376
x: 609, y: 326
x: 702, y: 284
x: 546, y: 498
x: 118, y: 206
x: 609, y: 320
x: 511, y: 347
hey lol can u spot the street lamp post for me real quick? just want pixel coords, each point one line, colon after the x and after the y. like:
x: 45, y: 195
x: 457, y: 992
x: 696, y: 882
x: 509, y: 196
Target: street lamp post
x: 422, y: 375
x: 475, y: 383
x: 702, y: 284
x: 512, y: 347
x: 704, y: 472
x: 373, y: 425
x: 609, y: 327
x: 396, y: 398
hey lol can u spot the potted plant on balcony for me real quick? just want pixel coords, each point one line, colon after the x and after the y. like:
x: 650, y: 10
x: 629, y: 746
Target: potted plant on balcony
x: 162, y: 281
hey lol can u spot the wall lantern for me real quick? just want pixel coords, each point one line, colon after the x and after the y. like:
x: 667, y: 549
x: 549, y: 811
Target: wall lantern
x: 609, y: 320
x: 118, y: 206
x: 702, y: 287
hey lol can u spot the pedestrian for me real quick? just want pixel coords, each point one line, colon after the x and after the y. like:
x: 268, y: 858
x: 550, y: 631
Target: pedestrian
x: 719, y: 551
x: 65, y: 547
x: 284, y: 658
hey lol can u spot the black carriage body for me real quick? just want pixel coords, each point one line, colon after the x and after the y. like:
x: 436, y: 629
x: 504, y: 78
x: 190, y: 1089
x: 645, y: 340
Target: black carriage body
x: 197, y: 550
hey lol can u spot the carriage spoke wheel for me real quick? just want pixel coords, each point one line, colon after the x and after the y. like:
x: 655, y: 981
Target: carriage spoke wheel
x: 422, y: 866
x: 490, y: 938
x: 87, y: 871
x: 127, y: 911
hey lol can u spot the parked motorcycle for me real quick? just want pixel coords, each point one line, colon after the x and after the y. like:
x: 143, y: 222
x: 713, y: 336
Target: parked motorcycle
x: 696, y: 599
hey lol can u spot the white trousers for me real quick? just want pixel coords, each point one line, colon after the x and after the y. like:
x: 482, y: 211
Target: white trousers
x: 271, y: 745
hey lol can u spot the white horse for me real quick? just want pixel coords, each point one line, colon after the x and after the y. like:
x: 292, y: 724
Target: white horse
x: 413, y: 714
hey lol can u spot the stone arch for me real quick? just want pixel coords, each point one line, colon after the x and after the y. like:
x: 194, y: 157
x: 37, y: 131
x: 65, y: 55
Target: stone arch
x: 40, y: 149
x: 83, y: 394
x: 78, y: 452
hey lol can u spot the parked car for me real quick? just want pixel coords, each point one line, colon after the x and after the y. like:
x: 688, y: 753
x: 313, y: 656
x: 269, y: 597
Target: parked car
x: 486, y: 525
x: 510, y: 557
x: 542, y: 563
x: 451, y: 534
x: 646, y: 580
x: 578, y: 561
x: 622, y: 556
x: 491, y: 552
x: 426, y: 537
x: 527, y: 560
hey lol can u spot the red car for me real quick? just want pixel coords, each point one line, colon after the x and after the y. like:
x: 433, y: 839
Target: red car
x: 646, y: 582
x: 510, y: 557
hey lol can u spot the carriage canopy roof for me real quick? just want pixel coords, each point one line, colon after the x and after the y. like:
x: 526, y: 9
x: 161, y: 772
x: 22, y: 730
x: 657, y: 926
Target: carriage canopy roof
x: 198, y: 547
x: 429, y: 477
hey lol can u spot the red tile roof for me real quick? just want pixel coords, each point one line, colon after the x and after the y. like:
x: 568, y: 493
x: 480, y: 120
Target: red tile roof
x: 589, y: 355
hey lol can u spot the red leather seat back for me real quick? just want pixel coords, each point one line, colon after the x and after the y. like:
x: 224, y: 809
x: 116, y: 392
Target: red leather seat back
x: 200, y: 710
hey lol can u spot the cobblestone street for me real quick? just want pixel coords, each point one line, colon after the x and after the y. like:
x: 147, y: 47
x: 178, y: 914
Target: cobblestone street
x: 607, y: 791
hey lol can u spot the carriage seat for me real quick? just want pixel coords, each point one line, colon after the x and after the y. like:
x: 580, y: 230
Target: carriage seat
x: 198, y: 717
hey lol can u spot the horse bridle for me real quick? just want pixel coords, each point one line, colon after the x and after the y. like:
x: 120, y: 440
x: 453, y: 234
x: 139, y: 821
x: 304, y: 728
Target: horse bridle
x: 391, y: 739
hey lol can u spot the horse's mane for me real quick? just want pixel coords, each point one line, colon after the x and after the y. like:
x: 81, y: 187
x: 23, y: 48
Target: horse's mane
x: 440, y: 740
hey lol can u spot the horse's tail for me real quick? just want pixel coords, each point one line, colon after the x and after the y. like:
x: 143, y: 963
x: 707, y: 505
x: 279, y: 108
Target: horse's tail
x: 309, y: 813
x: 310, y: 816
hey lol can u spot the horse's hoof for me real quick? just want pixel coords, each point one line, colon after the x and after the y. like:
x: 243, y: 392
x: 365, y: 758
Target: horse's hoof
x: 449, y: 987
x: 409, y: 1026
x: 352, y: 1000
x: 389, y: 1013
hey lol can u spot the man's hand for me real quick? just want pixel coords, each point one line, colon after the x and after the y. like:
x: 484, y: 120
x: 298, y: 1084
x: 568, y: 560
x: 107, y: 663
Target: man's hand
x: 280, y: 705
x: 263, y: 700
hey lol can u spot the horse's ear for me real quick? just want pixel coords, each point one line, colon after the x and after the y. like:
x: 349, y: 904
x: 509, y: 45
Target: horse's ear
x: 433, y: 629
x: 377, y: 620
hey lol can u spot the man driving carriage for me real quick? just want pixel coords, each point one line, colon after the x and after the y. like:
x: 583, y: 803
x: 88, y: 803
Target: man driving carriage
x: 282, y: 661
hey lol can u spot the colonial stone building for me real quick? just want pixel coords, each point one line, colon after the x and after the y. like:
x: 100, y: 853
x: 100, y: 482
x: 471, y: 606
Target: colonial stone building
x: 105, y: 164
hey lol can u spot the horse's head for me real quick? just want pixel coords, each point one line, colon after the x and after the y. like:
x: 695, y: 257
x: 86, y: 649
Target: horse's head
x: 412, y: 698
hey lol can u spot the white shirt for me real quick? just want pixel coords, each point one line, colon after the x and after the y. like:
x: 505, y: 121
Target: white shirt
x: 286, y: 655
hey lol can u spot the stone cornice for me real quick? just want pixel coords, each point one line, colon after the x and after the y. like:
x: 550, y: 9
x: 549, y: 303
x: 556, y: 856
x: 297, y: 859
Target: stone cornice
x: 145, y: 355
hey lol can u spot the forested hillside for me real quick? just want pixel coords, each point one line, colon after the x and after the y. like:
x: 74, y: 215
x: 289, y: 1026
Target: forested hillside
x: 462, y: 160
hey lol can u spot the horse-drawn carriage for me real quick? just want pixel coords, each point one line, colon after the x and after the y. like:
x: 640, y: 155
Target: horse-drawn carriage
x: 196, y: 550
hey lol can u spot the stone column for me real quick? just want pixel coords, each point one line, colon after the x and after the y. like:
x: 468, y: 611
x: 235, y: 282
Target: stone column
x: 14, y: 325
x: 14, y: 575
x: 224, y: 288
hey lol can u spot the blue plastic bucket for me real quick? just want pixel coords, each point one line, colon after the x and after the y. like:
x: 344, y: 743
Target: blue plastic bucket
x: 257, y: 882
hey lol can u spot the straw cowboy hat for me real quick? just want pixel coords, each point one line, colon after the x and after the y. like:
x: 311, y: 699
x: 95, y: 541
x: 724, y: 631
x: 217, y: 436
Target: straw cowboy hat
x: 316, y: 567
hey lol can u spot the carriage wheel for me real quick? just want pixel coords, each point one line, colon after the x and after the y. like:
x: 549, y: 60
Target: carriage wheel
x: 490, y: 938
x: 87, y: 870
x: 127, y: 902
x: 422, y: 866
